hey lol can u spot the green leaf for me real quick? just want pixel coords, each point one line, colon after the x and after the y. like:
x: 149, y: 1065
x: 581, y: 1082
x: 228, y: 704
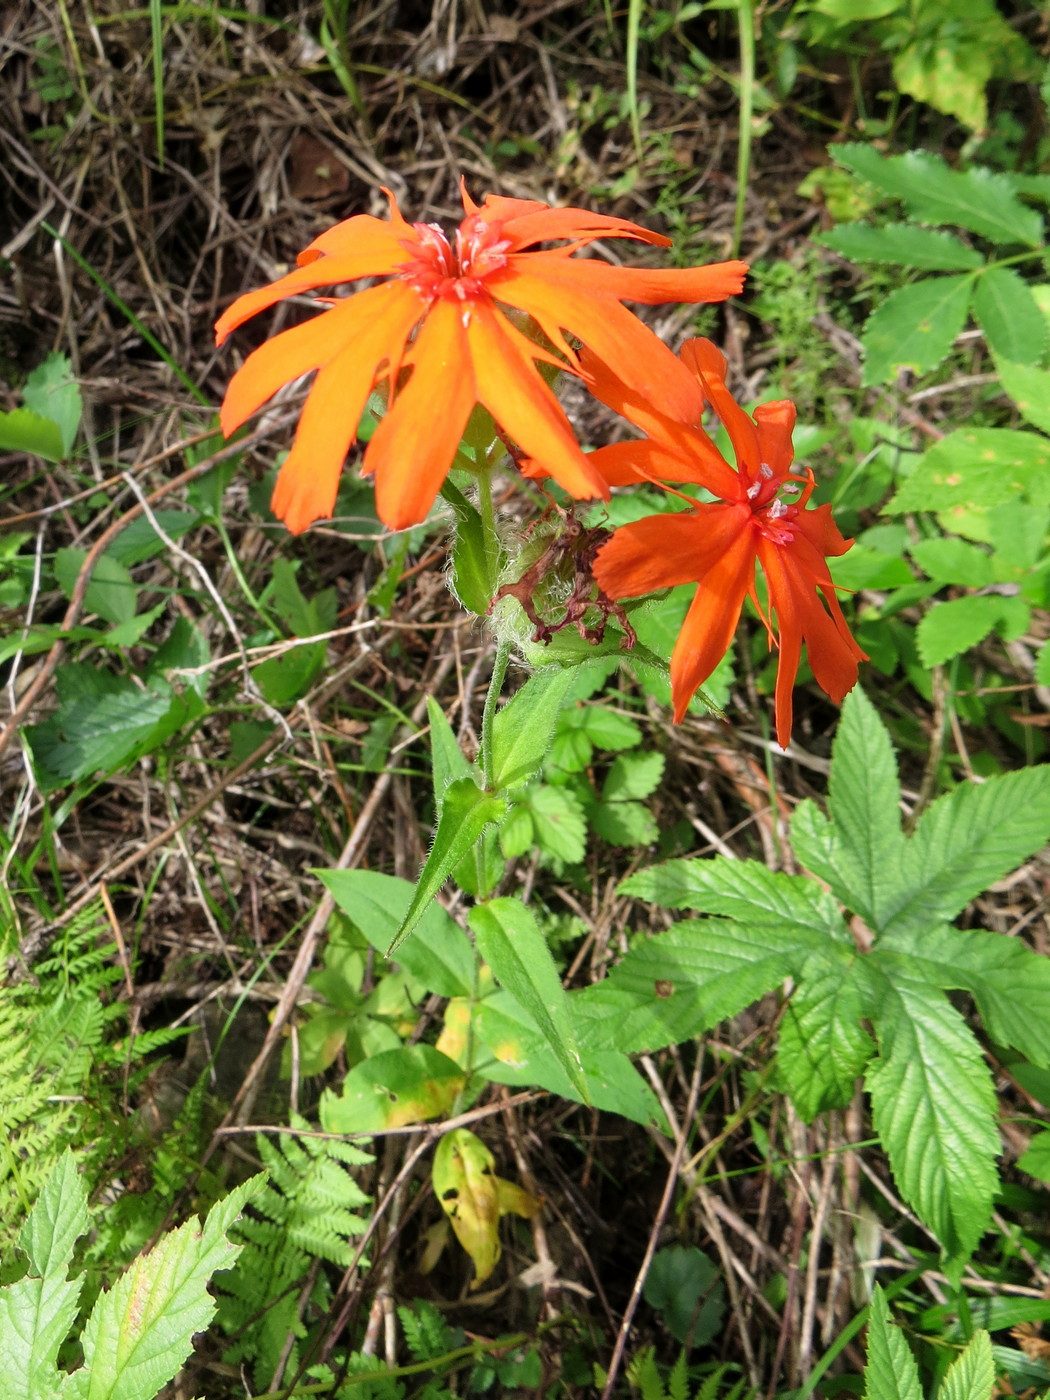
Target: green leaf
x: 915, y: 327
x: 111, y: 593
x: 953, y: 561
x: 38, y: 1311
x: 474, y: 570
x: 971, y: 1376
x: 510, y: 941
x: 522, y: 729
x: 744, y: 890
x: 822, y: 1049
x: 523, y: 1057
x: 448, y: 760
x: 465, y: 813
x: 624, y: 823
x: 24, y: 431
x: 1029, y: 388
x: 964, y: 842
x: 139, y: 541
x: 558, y: 823
x: 604, y: 727
x: 102, y: 733
x: 860, y: 852
x: 977, y: 468
x: 52, y: 392
x: 633, y: 775
x: 409, y: 1085
x: 891, y: 1372
x: 140, y: 1331
x: 1036, y: 1161
x: 925, y: 249
x: 951, y: 628
x: 933, y: 1103
x: 440, y: 955
x: 685, y: 1287
x: 1009, y: 316
x: 976, y: 199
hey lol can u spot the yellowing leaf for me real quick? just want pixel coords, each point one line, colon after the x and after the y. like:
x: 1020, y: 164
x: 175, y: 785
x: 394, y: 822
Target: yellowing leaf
x: 454, y: 1034
x: 474, y: 1198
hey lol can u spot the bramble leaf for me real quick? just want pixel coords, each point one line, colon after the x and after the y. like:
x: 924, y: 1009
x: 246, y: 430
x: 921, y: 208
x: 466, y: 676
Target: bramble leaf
x: 1009, y: 315
x: 822, y: 1049
x: 933, y: 1104
x: 926, y: 249
x: 1029, y: 388
x: 971, y: 1376
x: 891, y: 1372
x: 977, y: 468
x: 915, y: 327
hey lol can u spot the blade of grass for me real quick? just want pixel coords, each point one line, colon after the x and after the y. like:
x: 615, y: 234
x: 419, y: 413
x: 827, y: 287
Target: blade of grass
x: 126, y: 311
x: 745, y: 10
x: 634, y: 21
x: 156, y: 26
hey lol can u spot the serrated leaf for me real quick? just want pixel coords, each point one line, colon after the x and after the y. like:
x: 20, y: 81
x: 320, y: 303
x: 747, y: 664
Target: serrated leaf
x: 38, y: 1311
x: 915, y: 327
x: 140, y: 1331
x: 111, y: 593
x: 510, y: 941
x: 633, y: 776
x: 953, y: 561
x: 21, y: 430
x: 1036, y: 1160
x: 51, y: 391
x: 605, y: 728
x: 516, y: 833
x: 465, y: 813
x: 976, y: 199
x: 860, y: 852
x: 952, y: 627
x: 702, y: 970
x: 93, y: 733
x: 522, y: 729
x: 624, y: 823
x: 822, y: 1049
x: 558, y: 823
x: 1009, y: 315
x: 411, y: 1084
x: 933, y: 1103
x: 1029, y: 388
x: 965, y: 841
x: 976, y: 468
x: 744, y: 890
x: 891, y: 1372
x: 971, y: 1376
x: 440, y: 955
x: 927, y: 250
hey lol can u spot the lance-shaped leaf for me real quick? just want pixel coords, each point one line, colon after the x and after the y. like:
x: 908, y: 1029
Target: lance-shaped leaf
x: 1008, y: 980
x: 823, y: 1048
x: 475, y: 567
x: 934, y: 1106
x: 859, y: 853
x: 465, y: 813
x: 448, y: 761
x: 522, y: 729
x: 510, y: 941
x: 965, y: 841
x: 891, y: 1372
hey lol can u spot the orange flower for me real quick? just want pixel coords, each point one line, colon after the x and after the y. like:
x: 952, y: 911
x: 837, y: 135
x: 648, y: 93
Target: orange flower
x: 442, y: 315
x: 717, y: 544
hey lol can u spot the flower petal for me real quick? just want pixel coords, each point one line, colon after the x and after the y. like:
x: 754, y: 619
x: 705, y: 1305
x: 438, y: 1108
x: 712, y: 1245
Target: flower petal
x: 774, y: 423
x: 711, y: 620
x: 372, y: 258
x: 614, y: 334
x: 543, y: 224
x: 593, y: 276
x: 413, y: 446
x: 308, y: 481
x: 362, y: 236
x: 628, y: 463
x: 313, y: 344
x: 708, y: 362
x: 516, y: 395
x: 661, y: 551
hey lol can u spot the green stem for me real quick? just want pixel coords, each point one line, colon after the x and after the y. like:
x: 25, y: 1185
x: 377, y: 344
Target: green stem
x: 488, y: 718
x: 747, y: 99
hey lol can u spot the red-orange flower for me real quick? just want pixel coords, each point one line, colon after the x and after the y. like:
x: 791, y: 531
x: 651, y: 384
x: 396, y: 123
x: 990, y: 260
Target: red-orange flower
x: 442, y: 315
x: 717, y: 544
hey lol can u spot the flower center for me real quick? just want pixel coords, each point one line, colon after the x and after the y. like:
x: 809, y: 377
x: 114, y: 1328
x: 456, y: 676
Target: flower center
x: 436, y: 271
x: 774, y: 519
